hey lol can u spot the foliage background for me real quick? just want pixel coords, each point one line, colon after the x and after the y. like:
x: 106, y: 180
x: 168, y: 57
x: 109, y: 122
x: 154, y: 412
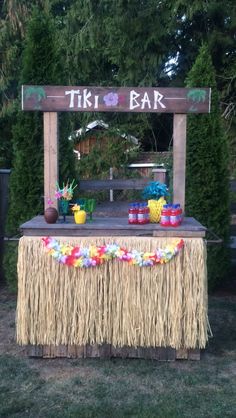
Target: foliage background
x: 112, y: 43
x: 207, y: 186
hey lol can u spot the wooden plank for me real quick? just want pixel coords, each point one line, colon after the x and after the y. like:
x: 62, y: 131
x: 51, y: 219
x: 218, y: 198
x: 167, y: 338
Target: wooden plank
x: 50, y: 156
x: 115, y: 184
x: 157, y: 353
x: 115, y: 99
x: 163, y: 354
x: 92, y: 351
x: 188, y: 224
x: 125, y: 352
x: 47, y: 352
x: 171, y: 354
x: 194, y: 354
x: 160, y: 174
x: 53, y: 351
x: 111, y: 226
x: 107, y: 351
x: 61, y: 350
x: 150, y: 353
x: 180, y: 234
x: 71, y: 351
x: 80, y: 351
x: 182, y: 354
x: 179, y: 159
x: 35, y: 350
x: 115, y: 233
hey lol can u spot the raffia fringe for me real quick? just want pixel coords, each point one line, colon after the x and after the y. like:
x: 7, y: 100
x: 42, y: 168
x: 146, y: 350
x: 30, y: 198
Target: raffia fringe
x: 118, y: 304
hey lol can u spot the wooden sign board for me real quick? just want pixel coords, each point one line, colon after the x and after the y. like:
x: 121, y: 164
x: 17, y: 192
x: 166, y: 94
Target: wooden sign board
x: 115, y: 99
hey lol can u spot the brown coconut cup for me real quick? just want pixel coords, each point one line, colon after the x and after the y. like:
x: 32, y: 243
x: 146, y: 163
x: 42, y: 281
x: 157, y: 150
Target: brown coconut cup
x: 51, y: 215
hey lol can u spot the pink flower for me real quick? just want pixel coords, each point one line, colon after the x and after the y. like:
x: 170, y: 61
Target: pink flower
x: 122, y: 99
x: 58, y: 194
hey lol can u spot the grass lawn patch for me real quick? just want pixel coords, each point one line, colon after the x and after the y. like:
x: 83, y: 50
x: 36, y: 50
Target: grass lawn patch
x: 119, y: 388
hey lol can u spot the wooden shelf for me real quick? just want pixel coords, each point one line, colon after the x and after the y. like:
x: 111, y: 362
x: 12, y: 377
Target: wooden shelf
x: 111, y: 226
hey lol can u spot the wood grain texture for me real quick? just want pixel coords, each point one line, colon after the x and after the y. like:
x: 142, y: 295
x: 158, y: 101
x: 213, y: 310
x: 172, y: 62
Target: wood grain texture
x: 109, y: 227
x: 182, y: 354
x: 50, y: 156
x: 179, y: 159
x: 107, y: 351
x: 194, y: 354
x: 115, y: 184
x: 115, y: 99
x: 35, y: 350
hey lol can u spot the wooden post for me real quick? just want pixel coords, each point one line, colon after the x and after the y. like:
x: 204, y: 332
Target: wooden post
x: 50, y: 120
x: 111, y: 190
x: 179, y: 158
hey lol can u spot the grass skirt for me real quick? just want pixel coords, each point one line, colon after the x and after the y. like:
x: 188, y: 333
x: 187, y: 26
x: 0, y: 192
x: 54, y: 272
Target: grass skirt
x: 115, y: 303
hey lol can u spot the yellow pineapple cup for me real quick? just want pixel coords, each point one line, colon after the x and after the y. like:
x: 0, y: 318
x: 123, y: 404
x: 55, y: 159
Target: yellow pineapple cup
x: 155, y: 193
x: 155, y: 208
x: 79, y: 214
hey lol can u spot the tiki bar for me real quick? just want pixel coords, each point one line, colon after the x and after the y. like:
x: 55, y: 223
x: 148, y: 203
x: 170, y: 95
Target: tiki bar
x: 128, y: 283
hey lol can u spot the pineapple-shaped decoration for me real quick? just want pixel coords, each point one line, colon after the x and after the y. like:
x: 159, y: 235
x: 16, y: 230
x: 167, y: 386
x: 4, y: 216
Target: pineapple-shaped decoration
x: 155, y: 193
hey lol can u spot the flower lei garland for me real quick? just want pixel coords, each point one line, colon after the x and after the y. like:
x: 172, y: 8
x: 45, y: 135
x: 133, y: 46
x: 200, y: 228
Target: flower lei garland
x: 96, y: 255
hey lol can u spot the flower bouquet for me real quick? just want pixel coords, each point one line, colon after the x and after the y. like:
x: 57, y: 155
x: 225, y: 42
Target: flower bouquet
x: 155, y: 192
x: 64, y: 194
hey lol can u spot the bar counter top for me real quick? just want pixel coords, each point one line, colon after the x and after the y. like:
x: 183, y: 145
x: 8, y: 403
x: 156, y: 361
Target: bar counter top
x: 110, y: 226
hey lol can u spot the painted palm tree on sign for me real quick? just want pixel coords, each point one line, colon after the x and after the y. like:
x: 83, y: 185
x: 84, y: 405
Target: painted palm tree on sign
x: 196, y: 96
x: 37, y: 93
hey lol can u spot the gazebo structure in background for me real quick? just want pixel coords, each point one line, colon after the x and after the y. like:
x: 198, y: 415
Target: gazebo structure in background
x: 97, y: 133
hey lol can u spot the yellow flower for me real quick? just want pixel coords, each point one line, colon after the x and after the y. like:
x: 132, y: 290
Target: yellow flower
x: 75, y: 207
x: 78, y: 262
x: 66, y: 249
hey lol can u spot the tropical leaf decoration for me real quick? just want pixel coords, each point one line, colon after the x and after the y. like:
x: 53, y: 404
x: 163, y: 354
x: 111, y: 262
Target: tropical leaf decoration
x: 197, y: 95
x: 38, y: 93
x: 155, y: 190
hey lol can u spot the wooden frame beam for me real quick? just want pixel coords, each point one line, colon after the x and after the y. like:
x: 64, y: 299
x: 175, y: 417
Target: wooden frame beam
x: 50, y: 120
x: 179, y: 158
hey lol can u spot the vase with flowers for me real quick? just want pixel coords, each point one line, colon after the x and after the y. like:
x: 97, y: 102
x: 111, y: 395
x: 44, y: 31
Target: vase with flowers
x: 64, y: 194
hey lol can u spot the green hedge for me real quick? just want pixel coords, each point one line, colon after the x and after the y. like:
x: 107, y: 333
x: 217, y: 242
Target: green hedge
x: 207, y: 176
x: 10, y: 264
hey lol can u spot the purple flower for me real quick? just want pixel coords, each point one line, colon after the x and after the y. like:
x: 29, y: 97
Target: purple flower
x: 111, y: 99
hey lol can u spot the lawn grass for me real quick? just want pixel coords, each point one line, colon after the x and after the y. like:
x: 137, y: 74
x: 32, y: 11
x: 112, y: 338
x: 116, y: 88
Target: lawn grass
x: 66, y: 388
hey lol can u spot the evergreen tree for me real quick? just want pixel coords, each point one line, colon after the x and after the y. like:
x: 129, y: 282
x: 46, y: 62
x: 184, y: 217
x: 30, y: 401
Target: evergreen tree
x: 214, y: 23
x: 207, y: 182
x: 40, y: 66
x: 13, y: 20
x: 118, y: 43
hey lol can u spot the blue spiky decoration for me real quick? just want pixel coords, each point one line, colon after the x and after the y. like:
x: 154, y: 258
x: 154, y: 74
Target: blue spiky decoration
x: 154, y: 190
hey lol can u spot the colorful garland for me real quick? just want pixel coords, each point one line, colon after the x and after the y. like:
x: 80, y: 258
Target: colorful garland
x: 95, y: 255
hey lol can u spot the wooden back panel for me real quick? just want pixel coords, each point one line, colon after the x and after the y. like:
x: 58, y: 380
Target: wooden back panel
x: 114, y: 184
